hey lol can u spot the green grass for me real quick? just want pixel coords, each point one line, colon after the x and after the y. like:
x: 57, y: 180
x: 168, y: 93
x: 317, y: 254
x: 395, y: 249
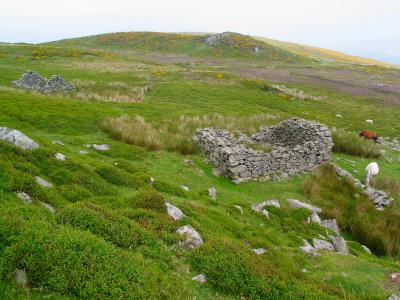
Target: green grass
x: 111, y: 236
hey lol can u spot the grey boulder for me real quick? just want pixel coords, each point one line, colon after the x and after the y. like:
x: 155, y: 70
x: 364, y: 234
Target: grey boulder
x: 322, y: 245
x: 174, y: 212
x: 17, y: 138
x: 193, y: 238
x: 294, y: 203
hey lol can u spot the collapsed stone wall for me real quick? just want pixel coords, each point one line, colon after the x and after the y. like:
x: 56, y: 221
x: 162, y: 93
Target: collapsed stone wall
x: 297, y: 146
x: 33, y: 81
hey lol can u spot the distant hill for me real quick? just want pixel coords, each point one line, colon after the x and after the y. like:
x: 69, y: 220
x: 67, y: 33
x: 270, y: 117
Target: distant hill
x: 320, y: 54
x: 227, y: 45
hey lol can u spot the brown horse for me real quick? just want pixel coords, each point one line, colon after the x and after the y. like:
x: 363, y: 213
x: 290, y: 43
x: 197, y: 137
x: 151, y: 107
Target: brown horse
x: 369, y: 135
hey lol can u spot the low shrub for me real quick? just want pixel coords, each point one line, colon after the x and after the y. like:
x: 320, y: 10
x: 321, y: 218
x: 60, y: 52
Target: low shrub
x: 352, y: 144
x: 74, y: 192
x: 148, y: 199
x: 120, y: 177
x: 76, y: 263
x: 234, y: 269
x: 354, y: 212
x: 169, y: 188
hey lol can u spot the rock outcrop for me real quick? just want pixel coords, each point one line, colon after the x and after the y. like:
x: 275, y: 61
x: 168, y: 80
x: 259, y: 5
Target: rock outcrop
x: 17, y: 138
x: 297, y: 146
x: 33, y: 81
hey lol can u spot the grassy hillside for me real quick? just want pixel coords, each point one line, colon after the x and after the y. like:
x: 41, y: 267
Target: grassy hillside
x: 111, y: 237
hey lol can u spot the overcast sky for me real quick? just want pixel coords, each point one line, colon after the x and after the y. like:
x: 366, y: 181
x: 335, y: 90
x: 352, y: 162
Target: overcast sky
x: 369, y: 27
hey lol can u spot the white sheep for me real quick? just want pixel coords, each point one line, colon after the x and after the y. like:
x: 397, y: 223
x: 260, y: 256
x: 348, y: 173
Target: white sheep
x: 370, y: 121
x: 372, y: 170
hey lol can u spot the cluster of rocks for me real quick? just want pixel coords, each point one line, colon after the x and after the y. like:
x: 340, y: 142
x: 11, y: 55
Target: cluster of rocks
x: 335, y: 241
x: 193, y: 238
x: 380, y: 199
x: 215, y: 39
x: 33, y: 81
x: 297, y: 146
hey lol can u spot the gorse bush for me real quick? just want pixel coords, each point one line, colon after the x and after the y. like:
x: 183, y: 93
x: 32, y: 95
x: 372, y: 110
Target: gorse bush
x: 354, y: 212
x: 176, y: 135
x: 352, y: 144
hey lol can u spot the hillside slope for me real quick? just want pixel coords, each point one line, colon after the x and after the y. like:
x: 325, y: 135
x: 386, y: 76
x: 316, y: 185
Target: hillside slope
x: 321, y: 54
x: 100, y: 228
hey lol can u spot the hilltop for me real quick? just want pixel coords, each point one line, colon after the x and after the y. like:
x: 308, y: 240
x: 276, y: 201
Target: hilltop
x: 101, y: 176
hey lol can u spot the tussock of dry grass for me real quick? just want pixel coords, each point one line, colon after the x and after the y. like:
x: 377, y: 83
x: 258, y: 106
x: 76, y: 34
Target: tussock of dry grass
x: 297, y: 94
x: 176, y: 135
x: 352, y: 144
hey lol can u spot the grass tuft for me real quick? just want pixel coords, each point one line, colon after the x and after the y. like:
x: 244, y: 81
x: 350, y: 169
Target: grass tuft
x: 352, y: 144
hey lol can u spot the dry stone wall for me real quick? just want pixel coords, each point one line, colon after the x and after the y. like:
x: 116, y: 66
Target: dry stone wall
x: 297, y: 146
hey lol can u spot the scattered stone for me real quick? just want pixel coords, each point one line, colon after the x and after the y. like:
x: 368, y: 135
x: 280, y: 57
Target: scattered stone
x: 59, y: 156
x: 259, y: 207
x: 340, y: 245
x: 304, y: 270
x: 369, y: 121
x: 174, y: 212
x: 395, y: 276
x: 296, y: 146
x: 201, y: 278
x: 49, y: 207
x: 272, y: 202
x: 259, y: 251
x: 17, y: 138
x: 394, y: 297
x: 294, y: 203
x: 20, y: 277
x: 332, y: 225
x: 58, y: 143
x: 366, y: 249
x: 339, y: 116
x: 314, y: 218
x: 101, y: 147
x: 212, y: 192
x: 322, y: 245
x: 193, y: 238
x: 216, y: 172
x: 24, y: 197
x: 188, y: 162
x: 265, y: 213
x: 185, y: 188
x: 33, y: 81
x: 239, y: 208
x: 307, y: 248
x: 83, y: 152
x: 151, y: 180
x: 43, y: 183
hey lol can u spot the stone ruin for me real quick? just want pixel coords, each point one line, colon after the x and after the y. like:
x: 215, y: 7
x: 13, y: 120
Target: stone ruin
x: 297, y: 146
x: 33, y: 81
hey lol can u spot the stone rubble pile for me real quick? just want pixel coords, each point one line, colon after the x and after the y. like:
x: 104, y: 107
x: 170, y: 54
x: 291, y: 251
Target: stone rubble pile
x: 297, y: 146
x: 33, y: 81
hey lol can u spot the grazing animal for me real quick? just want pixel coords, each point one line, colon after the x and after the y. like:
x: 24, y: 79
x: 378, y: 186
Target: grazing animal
x: 372, y: 170
x: 370, y: 121
x: 369, y: 135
